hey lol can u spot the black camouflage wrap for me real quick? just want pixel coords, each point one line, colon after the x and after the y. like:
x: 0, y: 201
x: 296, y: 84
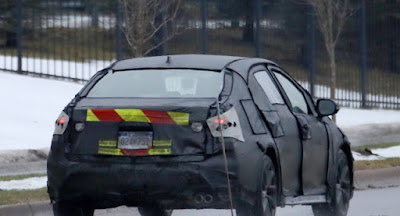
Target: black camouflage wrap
x: 77, y: 174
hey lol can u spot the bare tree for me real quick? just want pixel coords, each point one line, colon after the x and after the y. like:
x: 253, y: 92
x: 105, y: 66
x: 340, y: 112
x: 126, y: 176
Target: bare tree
x: 331, y: 18
x: 144, y: 19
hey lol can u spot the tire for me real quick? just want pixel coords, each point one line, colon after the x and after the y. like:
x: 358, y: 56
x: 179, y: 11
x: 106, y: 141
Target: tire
x: 340, y: 203
x: 154, y: 210
x: 66, y: 209
x: 267, y: 194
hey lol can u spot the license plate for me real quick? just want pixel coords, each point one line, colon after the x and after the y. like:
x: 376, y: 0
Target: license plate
x: 135, y: 140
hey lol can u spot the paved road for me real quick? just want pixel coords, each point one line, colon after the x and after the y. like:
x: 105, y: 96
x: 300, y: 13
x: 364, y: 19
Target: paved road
x: 377, y: 202
x: 374, y: 202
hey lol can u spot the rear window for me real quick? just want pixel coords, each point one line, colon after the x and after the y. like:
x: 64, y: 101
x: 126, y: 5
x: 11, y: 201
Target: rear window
x: 171, y: 83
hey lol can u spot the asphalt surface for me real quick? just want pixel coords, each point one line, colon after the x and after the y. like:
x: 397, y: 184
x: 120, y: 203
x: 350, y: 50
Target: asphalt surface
x: 372, y: 202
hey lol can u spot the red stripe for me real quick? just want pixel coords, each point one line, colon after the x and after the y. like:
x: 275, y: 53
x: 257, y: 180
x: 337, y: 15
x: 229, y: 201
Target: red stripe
x: 160, y: 117
x: 107, y: 115
x: 135, y: 152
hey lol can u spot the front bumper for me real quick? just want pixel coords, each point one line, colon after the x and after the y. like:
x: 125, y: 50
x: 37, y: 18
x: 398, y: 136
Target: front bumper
x: 174, y: 185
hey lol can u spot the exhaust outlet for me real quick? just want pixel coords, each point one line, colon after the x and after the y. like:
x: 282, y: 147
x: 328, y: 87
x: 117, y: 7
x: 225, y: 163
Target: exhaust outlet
x: 208, y: 198
x: 198, y: 198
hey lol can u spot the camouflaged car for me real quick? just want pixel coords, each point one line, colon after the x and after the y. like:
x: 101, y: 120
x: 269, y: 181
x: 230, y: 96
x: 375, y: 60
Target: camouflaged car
x: 194, y: 132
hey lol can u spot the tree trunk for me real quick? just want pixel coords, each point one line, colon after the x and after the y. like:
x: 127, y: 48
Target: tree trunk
x: 11, y: 39
x: 393, y: 38
x: 332, y: 61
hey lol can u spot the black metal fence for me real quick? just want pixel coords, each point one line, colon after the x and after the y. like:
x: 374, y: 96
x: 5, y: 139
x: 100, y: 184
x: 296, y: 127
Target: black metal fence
x: 73, y: 39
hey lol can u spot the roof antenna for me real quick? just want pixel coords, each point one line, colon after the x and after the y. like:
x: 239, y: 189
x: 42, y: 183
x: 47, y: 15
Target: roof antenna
x: 168, y: 60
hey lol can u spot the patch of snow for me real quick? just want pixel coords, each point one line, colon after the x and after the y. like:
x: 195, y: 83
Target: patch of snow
x: 351, y: 117
x: 381, y: 154
x: 359, y: 157
x: 29, y: 109
x: 391, y: 152
x: 24, y: 184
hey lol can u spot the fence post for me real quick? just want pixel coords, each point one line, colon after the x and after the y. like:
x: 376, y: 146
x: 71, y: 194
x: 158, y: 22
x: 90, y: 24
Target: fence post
x: 363, y: 53
x: 19, y: 31
x: 204, y: 37
x: 311, y: 30
x: 257, y: 7
x: 118, y: 31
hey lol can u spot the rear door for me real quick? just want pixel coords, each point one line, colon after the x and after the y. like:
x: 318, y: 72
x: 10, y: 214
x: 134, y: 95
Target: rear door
x: 312, y: 132
x: 283, y: 126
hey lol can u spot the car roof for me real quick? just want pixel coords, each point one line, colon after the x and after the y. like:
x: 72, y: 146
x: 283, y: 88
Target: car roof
x: 207, y: 62
x: 192, y: 61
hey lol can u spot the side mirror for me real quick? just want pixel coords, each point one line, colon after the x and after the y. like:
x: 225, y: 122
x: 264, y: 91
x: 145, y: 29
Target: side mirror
x: 326, y: 107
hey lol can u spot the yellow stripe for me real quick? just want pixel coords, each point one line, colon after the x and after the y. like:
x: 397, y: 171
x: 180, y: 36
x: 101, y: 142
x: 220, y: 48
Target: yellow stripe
x: 108, y: 143
x: 180, y: 118
x: 164, y: 151
x: 90, y: 116
x: 109, y: 151
x: 132, y: 115
x: 162, y: 143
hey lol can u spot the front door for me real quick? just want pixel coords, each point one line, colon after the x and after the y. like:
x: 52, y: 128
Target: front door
x: 312, y: 132
x: 282, y: 125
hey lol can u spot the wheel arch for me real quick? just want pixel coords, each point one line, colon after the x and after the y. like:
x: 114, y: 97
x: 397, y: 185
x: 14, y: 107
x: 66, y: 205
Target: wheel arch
x: 345, y: 147
x: 273, y: 154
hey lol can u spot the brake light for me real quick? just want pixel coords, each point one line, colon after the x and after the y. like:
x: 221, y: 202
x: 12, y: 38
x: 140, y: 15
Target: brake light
x: 230, y: 125
x: 61, y: 123
x: 61, y: 120
x: 220, y: 121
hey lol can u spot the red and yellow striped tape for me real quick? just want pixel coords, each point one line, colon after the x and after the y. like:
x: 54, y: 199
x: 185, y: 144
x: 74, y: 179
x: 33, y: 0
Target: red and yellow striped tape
x: 137, y: 115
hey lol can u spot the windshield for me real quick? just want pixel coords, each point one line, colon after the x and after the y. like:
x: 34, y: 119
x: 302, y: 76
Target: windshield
x: 171, y: 83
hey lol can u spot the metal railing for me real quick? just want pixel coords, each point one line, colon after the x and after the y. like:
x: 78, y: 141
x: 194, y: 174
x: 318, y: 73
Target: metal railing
x: 72, y: 39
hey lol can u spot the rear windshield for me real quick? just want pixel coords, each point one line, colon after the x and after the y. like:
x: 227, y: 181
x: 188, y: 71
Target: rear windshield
x: 171, y: 83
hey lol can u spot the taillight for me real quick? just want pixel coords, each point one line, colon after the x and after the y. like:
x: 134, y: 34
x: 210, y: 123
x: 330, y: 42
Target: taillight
x: 222, y: 121
x: 227, y: 123
x: 61, y: 120
x: 61, y: 123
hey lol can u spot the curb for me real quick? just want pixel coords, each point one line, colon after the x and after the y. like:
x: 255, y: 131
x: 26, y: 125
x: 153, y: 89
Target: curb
x: 37, y: 209
x: 377, y: 178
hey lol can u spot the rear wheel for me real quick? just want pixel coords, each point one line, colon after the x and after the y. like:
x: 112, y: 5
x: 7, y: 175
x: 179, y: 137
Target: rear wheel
x: 154, y: 210
x: 267, y: 194
x: 67, y: 209
x: 342, y: 194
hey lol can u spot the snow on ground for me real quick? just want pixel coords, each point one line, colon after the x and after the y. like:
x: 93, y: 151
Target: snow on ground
x: 359, y: 157
x: 29, y: 108
x: 24, y: 184
x: 381, y: 154
x: 31, y: 105
x: 388, y: 152
x: 352, y: 117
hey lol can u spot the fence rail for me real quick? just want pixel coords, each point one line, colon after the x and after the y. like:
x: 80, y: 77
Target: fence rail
x: 73, y: 39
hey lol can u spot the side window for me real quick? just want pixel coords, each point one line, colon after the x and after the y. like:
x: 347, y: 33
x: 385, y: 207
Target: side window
x: 296, y: 97
x: 269, y: 87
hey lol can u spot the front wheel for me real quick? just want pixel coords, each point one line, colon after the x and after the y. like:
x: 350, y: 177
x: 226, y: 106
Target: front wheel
x: 267, y: 194
x: 340, y: 203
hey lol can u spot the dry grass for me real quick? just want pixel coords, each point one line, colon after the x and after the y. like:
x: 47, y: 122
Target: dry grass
x: 23, y: 196
x: 19, y: 177
x: 377, y: 164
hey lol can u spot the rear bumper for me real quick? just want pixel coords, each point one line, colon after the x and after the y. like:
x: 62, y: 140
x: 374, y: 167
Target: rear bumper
x: 103, y: 185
